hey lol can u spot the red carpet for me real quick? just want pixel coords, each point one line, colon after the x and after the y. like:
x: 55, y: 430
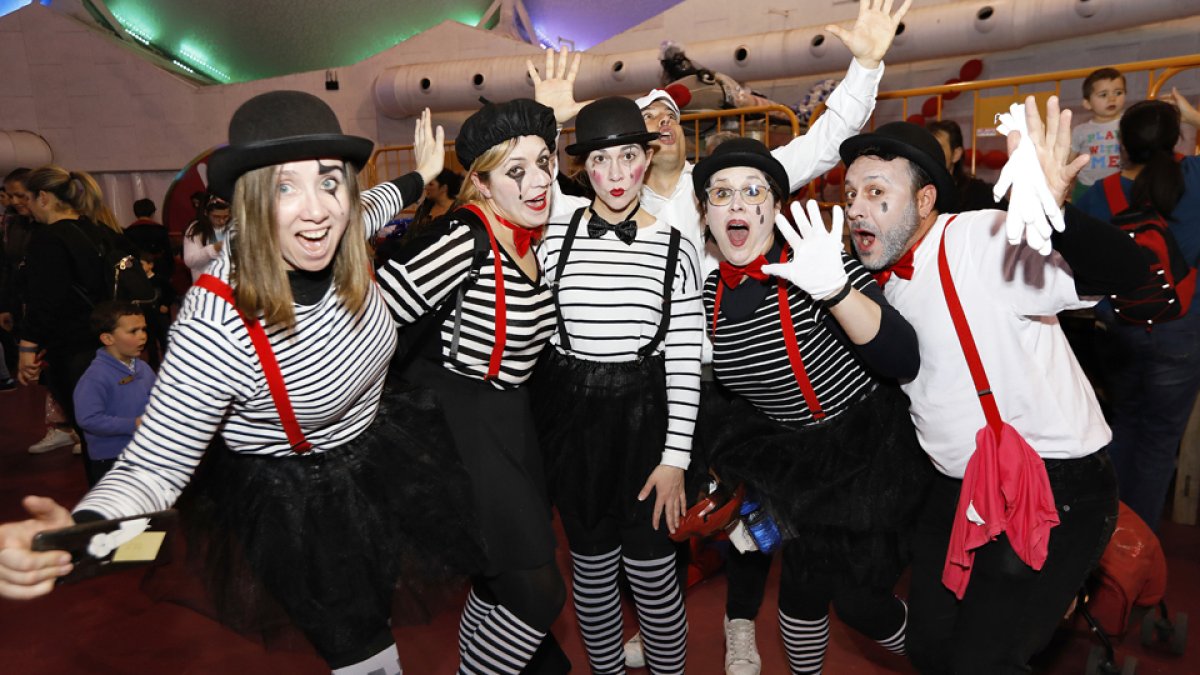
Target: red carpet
x: 108, y: 626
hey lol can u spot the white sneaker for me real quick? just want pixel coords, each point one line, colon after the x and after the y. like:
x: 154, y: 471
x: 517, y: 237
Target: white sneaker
x: 54, y: 438
x: 741, y: 653
x: 635, y: 655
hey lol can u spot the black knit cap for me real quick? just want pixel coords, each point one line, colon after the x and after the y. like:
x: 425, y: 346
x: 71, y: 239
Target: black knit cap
x: 278, y: 127
x: 498, y: 122
x: 914, y: 143
x: 609, y: 122
x: 739, y: 152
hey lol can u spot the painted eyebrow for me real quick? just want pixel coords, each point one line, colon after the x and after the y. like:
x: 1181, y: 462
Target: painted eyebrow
x: 325, y: 169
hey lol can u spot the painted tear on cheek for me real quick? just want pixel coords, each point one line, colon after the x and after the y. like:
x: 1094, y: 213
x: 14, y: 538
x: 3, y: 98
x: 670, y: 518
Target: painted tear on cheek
x: 596, y: 177
x: 883, y: 207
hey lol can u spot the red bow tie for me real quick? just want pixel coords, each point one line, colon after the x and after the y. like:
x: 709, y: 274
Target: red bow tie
x: 732, y: 275
x: 523, y: 237
x: 902, y: 268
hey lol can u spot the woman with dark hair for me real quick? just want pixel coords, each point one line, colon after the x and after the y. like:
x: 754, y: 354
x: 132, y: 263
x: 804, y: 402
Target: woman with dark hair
x: 818, y: 430
x: 440, y: 194
x: 973, y: 193
x: 1154, y: 374
x: 305, y: 500
x: 618, y: 393
x: 65, y: 277
x: 205, y: 236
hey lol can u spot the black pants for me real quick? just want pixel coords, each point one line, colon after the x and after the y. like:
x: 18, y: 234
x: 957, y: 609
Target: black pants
x: 746, y: 574
x: 65, y: 370
x: 1009, y: 611
x: 638, y: 540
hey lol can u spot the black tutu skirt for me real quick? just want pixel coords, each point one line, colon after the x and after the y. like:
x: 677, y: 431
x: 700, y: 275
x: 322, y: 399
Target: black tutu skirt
x: 494, y: 433
x: 844, y: 492
x: 327, y: 541
x: 602, y: 427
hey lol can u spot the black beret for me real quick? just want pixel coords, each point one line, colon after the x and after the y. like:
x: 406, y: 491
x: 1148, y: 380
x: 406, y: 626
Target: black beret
x: 498, y: 122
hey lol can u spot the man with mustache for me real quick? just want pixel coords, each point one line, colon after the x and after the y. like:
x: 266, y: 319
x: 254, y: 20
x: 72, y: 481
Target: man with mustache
x: 897, y: 190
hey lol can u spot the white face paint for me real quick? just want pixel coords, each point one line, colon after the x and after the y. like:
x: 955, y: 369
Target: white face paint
x: 742, y: 231
x: 312, y: 209
x: 617, y: 174
x: 519, y: 189
x: 881, y: 208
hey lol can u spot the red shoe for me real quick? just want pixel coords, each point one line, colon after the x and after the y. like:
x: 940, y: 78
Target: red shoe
x: 710, y: 515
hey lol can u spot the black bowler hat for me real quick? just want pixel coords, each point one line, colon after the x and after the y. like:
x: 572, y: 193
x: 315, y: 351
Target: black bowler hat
x: 278, y: 127
x: 914, y: 143
x: 497, y: 122
x: 739, y: 152
x: 608, y: 122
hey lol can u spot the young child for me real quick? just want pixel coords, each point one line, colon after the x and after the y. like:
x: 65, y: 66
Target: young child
x: 1104, y: 96
x: 112, y: 394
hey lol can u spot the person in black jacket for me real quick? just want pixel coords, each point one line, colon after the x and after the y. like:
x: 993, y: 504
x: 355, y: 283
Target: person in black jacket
x: 66, y: 276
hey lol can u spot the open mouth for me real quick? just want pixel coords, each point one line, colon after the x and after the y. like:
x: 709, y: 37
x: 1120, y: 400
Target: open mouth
x: 313, y: 242
x: 864, y: 240
x: 666, y: 137
x: 738, y: 231
x: 538, y: 203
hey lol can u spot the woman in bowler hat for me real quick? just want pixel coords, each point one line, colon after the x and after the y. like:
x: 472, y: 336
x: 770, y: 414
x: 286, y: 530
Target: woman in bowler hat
x: 307, y: 499
x: 817, y: 429
x: 616, y: 396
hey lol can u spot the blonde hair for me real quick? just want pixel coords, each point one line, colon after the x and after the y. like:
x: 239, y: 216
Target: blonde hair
x: 76, y: 189
x: 482, y: 167
x: 259, y: 275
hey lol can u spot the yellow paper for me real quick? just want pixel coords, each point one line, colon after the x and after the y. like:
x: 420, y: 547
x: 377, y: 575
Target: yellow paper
x: 142, y: 548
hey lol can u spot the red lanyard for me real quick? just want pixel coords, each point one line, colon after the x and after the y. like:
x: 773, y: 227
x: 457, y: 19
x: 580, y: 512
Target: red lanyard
x: 789, y: 339
x: 501, y: 308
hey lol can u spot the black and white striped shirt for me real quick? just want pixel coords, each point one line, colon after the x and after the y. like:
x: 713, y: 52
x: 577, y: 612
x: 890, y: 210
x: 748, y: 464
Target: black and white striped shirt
x: 430, y: 273
x: 211, y: 381
x: 611, y: 298
x: 750, y: 356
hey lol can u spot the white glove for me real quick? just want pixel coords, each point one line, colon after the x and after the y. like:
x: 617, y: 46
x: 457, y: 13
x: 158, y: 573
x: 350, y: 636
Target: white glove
x: 1032, y: 209
x: 815, y: 265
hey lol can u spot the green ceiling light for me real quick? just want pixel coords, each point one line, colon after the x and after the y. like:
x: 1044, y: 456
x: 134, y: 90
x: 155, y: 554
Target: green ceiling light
x: 198, y: 59
x: 138, y: 31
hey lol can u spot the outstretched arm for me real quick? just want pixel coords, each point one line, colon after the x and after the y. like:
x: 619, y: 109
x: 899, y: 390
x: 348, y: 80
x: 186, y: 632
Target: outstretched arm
x: 381, y: 203
x: 852, y: 102
x: 557, y: 89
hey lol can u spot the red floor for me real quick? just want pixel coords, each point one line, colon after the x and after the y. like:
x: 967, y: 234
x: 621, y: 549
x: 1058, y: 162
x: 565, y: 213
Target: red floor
x: 107, y: 626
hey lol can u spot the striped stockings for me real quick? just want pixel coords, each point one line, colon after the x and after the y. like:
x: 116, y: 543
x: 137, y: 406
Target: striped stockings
x: 499, y: 642
x: 598, y: 609
x: 805, y: 641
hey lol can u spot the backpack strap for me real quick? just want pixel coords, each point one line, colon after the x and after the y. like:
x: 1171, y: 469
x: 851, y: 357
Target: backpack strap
x: 1114, y: 194
x: 987, y: 400
x: 266, y: 357
x: 668, y: 290
x: 482, y: 244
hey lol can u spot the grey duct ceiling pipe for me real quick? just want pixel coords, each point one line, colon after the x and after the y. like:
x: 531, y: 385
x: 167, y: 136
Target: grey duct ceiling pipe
x: 941, y: 31
x: 23, y: 149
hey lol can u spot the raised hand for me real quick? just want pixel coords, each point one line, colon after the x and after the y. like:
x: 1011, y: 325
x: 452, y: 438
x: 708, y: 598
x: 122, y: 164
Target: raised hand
x: 1039, y: 171
x: 557, y: 90
x: 1187, y: 111
x: 429, y: 147
x: 815, y: 265
x: 25, y: 573
x: 873, y: 31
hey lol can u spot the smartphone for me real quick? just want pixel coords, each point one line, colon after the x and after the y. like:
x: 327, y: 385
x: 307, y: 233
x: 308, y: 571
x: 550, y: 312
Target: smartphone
x: 105, y: 546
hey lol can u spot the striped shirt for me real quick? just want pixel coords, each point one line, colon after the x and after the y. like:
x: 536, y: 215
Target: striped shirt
x: 750, y: 356
x: 211, y: 381
x: 611, y: 299
x: 430, y: 271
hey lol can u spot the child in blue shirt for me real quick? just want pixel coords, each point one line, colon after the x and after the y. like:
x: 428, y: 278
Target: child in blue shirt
x: 112, y: 395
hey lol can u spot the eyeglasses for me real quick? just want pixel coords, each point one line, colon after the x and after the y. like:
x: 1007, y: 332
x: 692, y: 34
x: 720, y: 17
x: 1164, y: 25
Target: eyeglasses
x: 751, y: 194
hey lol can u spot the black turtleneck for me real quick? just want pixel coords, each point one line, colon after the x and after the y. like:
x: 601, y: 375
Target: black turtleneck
x: 308, y: 288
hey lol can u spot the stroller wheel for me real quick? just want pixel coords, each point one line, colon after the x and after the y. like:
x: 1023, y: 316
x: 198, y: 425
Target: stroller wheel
x: 1179, y: 633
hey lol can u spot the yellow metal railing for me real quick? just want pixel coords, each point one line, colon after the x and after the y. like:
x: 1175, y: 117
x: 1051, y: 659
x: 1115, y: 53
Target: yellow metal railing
x: 1158, y: 72
x: 394, y: 160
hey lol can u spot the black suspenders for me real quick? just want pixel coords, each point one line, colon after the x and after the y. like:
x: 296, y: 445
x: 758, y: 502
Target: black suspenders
x: 668, y: 286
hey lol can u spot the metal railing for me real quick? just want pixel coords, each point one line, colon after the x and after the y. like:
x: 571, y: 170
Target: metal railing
x: 391, y: 161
